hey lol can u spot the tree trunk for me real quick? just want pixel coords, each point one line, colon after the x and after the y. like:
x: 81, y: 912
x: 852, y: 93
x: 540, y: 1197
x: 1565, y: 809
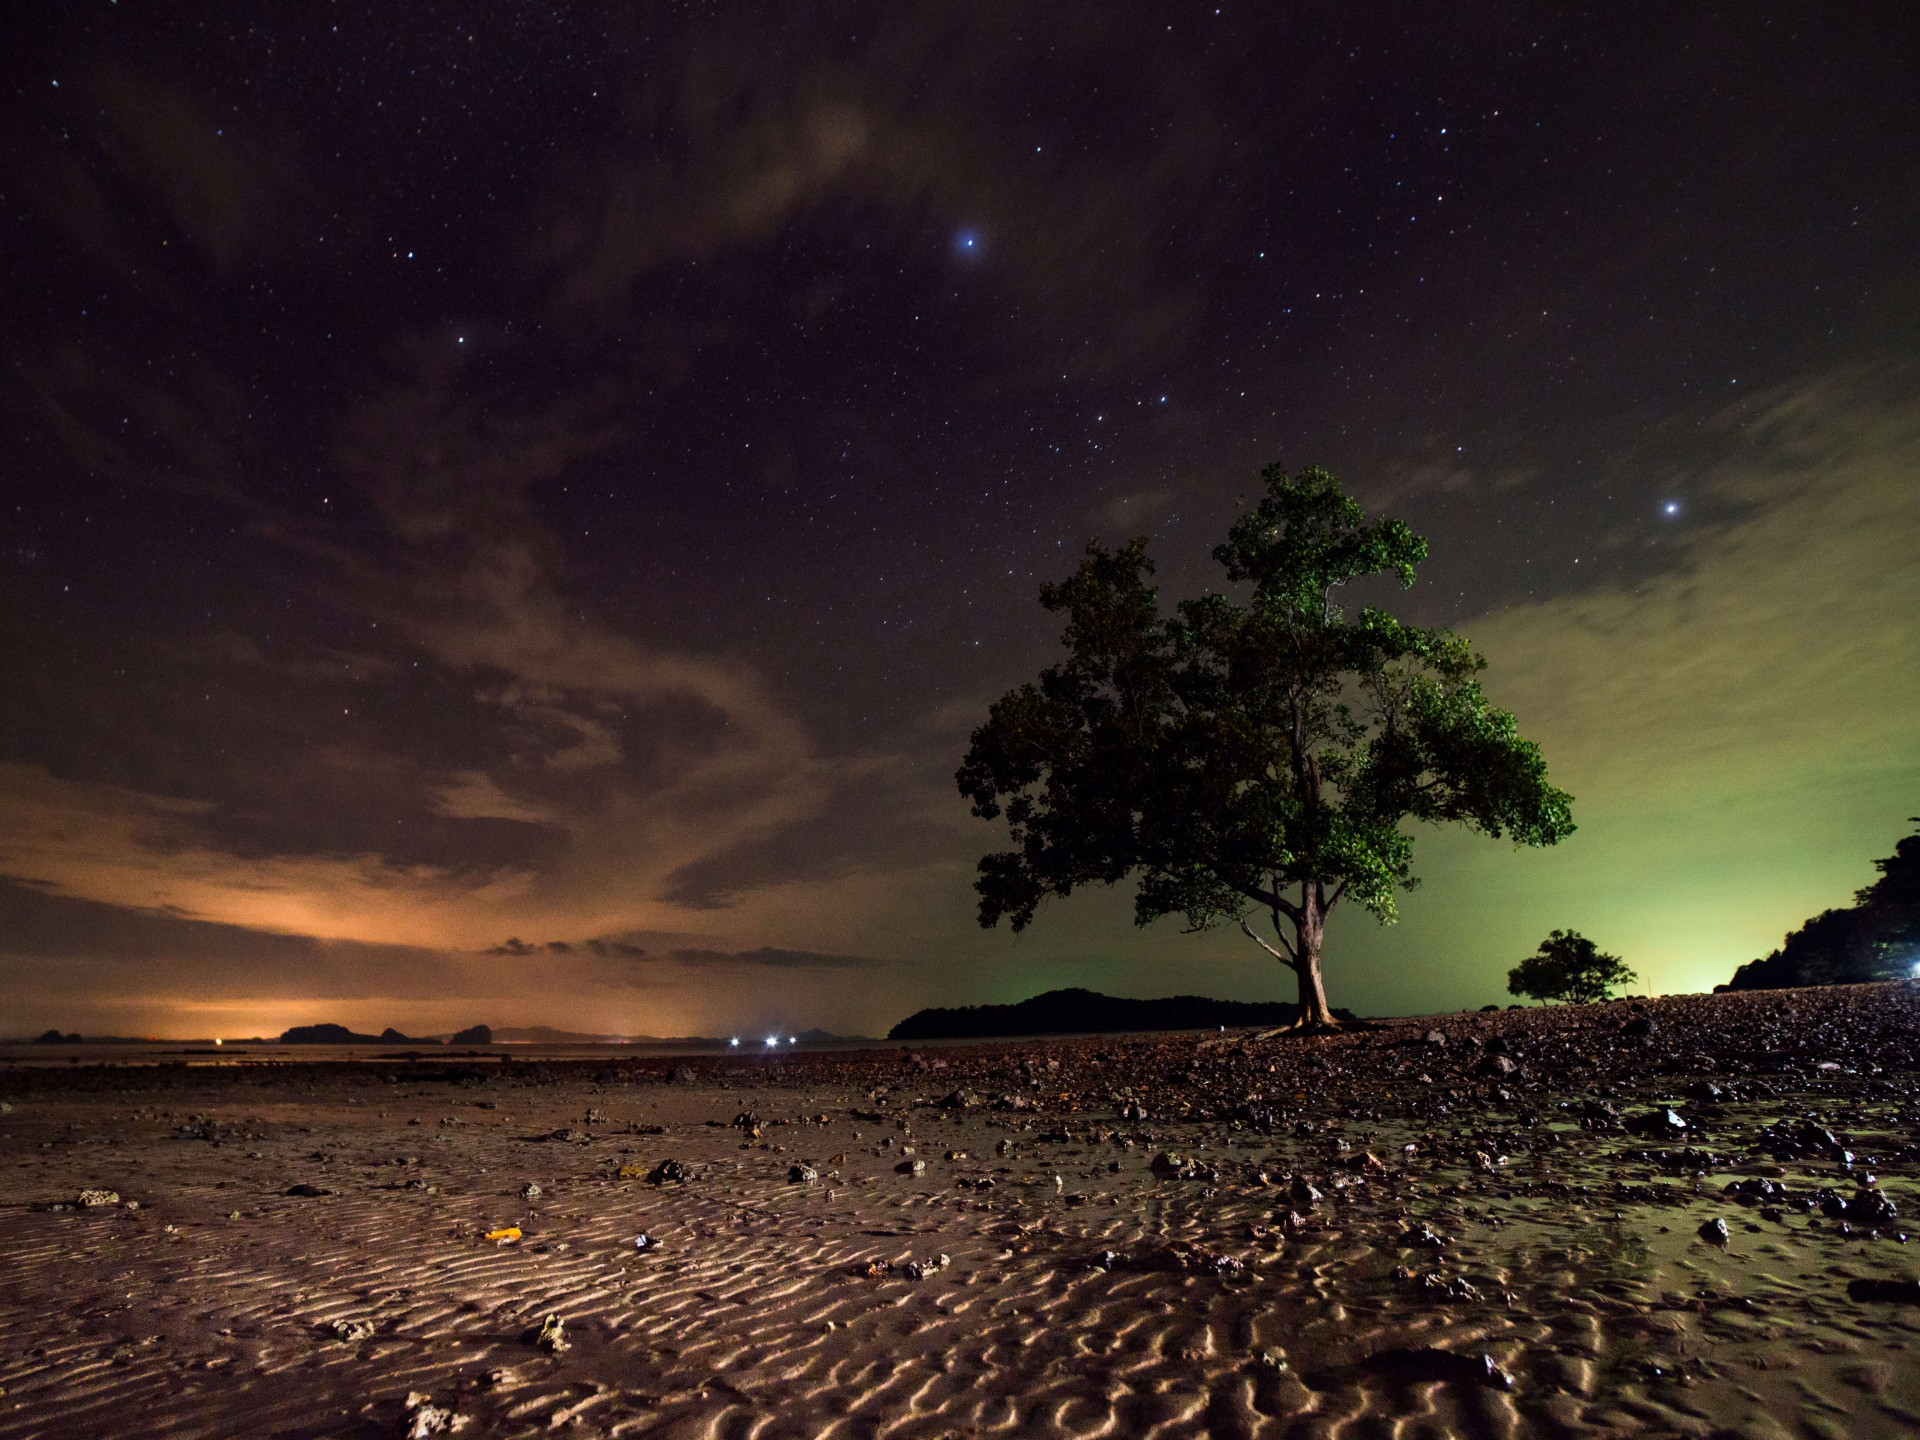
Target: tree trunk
x: 1308, y: 931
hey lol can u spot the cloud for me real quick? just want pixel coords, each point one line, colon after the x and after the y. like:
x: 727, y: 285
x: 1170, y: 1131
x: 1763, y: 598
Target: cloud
x: 226, y: 184
x: 906, y: 136
x: 475, y: 795
x: 1137, y: 509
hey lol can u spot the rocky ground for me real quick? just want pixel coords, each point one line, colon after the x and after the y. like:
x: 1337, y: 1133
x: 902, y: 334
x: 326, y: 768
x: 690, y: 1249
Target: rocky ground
x: 1685, y: 1216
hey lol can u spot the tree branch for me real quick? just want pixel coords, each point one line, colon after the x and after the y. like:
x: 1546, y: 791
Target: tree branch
x: 1285, y: 959
x: 1269, y: 898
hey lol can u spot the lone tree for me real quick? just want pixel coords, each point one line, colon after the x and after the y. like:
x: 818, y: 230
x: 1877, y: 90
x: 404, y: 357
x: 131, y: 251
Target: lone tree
x: 1569, y: 967
x: 1249, y: 757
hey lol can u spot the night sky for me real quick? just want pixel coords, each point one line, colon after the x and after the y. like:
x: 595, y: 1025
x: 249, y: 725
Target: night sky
x: 512, y: 512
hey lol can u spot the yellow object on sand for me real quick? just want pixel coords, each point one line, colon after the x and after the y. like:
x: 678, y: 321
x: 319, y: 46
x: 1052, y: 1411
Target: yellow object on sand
x: 632, y: 1172
x: 511, y: 1232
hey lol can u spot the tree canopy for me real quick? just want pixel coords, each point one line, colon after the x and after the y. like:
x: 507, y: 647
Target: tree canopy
x: 1251, y: 754
x: 1568, y: 966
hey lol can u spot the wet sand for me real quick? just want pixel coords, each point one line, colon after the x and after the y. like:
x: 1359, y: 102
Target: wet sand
x: 1364, y: 1234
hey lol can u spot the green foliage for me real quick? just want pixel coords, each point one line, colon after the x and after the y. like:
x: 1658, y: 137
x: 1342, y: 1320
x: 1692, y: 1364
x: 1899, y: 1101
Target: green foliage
x: 1243, y: 748
x: 1877, y: 938
x: 1569, y: 967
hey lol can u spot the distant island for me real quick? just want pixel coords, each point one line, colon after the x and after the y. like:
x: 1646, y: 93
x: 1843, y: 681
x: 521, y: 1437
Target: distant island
x: 1085, y: 1012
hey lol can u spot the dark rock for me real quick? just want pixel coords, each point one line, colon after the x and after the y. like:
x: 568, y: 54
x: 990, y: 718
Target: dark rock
x: 1658, y: 1124
x: 802, y: 1175
x: 1896, y: 1292
x: 307, y: 1192
x: 1715, y: 1232
x: 915, y: 1166
x: 1638, y: 1027
x: 1872, y: 1208
x: 668, y: 1172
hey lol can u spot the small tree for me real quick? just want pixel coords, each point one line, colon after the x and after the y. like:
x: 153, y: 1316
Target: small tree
x: 1569, y: 967
x: 1249, y: 757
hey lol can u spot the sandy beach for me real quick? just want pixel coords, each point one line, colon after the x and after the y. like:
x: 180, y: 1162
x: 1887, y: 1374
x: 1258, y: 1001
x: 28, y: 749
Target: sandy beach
x: 1488, y: 1224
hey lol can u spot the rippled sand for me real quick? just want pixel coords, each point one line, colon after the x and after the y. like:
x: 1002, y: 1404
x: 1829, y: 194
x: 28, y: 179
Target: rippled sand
x: 766, y: 1307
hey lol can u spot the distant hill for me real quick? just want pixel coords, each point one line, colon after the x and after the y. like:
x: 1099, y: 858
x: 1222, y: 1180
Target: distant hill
x: 326, y: 1035
x: 1084, y: 1012
x: 1878, y: 938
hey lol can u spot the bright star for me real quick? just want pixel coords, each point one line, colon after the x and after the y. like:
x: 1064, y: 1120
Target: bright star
x: 1672, y: 507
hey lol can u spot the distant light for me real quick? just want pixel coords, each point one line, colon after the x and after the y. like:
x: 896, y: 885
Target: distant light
x: 966, y: 242
x: 1916, y: 975
x: 793, y: 1039
x: 1672, y: 507
x: 1917, y: 968
x: 773, y: 1040
x: 735, y: 1042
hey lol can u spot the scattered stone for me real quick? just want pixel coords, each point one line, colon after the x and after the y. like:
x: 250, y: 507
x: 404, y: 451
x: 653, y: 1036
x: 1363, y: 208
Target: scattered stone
x: 308, y: 1192
x: 1715, y: 1232
x: 802, y: 1175
x: 1434, y: 1037
x: 1303, y: 1194
x: 553, y: 1335
x: 91, y: 1199
x: 530, y: 1191
x: 911, y: 1167
x: 352, y: 1331
x: 1431, y: 1363
x: 921, y: 1269
x: 1638, y: 1028
x: 1425, y: 1237
x: 644, y: 1241
x: 432, y: 1420
x: 1448, y: 1288
x: 1179, y: 1257
x: 667, y: 1172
